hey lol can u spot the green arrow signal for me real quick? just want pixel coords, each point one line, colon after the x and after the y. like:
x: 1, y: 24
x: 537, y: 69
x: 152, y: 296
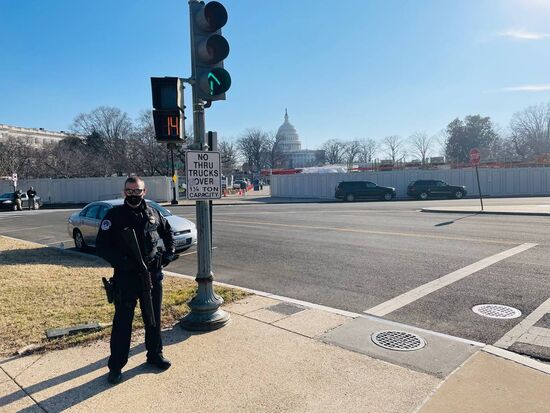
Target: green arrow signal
x: 215, y: 82
x: 211, y: 80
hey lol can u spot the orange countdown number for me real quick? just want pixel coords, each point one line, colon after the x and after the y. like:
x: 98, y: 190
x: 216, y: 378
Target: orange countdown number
x: 173, y: 123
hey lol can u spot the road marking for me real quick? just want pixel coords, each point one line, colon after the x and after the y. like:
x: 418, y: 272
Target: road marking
x: 364, y: 231
x: 419, y: 292
x: 537, y: 336
x: 521, y: 328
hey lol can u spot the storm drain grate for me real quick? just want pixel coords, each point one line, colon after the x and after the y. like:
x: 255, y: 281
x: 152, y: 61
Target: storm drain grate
x: 398, y: 340
x: 496, y: 311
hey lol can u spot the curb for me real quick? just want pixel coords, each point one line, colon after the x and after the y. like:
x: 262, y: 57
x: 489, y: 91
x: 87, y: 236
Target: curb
x: 456, y: 211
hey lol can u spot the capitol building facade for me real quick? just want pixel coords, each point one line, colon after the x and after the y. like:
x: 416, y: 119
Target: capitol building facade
x: 288, y: 140
x: 35, y: 137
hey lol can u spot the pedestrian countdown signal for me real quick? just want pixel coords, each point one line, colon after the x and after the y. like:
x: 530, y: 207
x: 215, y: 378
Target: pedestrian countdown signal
x: 168, y: 106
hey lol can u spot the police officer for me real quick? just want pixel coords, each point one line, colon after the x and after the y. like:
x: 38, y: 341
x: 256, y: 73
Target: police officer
x: 17, y: 198
x: 31, y: 193
x: 149, y: 226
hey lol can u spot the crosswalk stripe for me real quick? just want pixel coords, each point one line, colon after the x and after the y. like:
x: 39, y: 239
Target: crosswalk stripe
x: 512, y: 336
x: 428, y: 288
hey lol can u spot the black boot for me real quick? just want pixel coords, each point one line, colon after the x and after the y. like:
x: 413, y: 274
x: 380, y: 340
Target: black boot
x: 159, y: 362
x: 114, y: 377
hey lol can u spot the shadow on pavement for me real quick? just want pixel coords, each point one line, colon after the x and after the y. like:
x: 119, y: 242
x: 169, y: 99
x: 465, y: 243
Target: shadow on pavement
x: 75, y: 395
x: 441, y: 224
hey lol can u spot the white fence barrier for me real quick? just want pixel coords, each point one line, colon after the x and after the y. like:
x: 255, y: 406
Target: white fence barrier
x: 494, y: 182
x: 84, y: 190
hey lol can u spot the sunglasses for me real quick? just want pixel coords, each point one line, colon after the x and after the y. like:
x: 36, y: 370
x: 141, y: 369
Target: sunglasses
x: 137, y: 191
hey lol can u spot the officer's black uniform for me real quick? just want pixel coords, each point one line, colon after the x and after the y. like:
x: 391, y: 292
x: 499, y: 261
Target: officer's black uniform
x: 149, y: 226
x: 31, y: 193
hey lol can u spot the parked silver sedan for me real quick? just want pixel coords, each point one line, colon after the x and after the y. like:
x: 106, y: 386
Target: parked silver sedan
x: 83, y: 226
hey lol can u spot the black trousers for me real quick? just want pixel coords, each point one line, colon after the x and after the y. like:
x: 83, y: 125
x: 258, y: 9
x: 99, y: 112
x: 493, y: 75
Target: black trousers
x: 125, y: 304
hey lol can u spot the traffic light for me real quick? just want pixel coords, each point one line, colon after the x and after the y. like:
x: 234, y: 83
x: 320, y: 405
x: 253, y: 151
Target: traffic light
x: 208, y: 50
x: 168, y: 115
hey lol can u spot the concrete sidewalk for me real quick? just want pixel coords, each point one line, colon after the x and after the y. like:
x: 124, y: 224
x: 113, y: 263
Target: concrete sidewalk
x: 279, y: 356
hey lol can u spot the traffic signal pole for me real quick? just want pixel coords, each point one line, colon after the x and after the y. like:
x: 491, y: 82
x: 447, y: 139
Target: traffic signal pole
x: 205, y: 314
x: 174, y: 189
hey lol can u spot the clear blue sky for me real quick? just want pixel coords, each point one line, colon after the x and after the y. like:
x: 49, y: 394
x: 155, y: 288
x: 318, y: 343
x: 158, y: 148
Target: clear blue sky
x: 349, y: 69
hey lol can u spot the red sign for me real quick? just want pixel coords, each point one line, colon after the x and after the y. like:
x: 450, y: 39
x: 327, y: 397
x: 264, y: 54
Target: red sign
x: 475, y: 156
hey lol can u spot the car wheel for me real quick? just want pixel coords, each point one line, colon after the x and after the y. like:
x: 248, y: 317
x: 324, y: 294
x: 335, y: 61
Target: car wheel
x: 350, y: 198
x: 79, y: 242
x: 459, y: 194
x: 423, y: 196
x: 388, y: 196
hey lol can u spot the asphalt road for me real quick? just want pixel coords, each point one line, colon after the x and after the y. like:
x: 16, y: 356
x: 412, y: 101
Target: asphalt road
x: 356, y: 256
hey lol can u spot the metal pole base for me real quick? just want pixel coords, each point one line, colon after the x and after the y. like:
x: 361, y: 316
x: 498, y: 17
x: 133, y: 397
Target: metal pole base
x: 174, y: 202
x: 205, y: 314
x: 205, y: 322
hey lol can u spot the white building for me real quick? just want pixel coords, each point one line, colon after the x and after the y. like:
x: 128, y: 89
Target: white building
x: 289, y: 142
x: 36, y: 137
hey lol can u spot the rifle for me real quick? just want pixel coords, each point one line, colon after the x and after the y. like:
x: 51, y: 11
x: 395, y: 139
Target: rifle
x: 130, y: 239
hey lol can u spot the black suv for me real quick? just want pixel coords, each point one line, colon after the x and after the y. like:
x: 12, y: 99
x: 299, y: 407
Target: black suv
x: 352, y: 190
x: 426, y: 188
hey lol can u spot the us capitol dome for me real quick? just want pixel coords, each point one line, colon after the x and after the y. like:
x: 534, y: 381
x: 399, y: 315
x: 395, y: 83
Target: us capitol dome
x: 289, y: 143
x: 287, y: 137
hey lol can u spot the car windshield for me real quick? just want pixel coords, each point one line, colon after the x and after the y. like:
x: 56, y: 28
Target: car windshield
x: 163, y: 211
x: 6, y: 195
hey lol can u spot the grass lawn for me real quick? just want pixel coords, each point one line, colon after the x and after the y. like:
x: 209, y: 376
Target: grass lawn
x: 46, y: 288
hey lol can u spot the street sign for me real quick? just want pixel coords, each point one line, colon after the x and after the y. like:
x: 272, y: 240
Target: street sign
x: 204, y: 178
x: 475, y: 156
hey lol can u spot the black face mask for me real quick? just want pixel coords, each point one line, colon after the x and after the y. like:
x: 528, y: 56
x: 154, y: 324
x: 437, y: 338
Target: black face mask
x: 133, y: 200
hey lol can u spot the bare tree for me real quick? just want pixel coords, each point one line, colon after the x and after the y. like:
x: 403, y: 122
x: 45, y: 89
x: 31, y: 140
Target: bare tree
x: 334, y: 150
x: 147, y: 156
x: 254, y: 144
x: 111, y: 128
x: 421, y: 145
x: 368, y: 150
x: 530, y: 131
x: 228, y: 155
x: 392, y: 145
x: 351, y: 151
x: 17, y: 155
x: 276, y: 157
x: 83, y: 161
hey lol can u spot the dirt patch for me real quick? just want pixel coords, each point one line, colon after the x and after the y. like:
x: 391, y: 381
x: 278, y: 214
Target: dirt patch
x: 46, y: 288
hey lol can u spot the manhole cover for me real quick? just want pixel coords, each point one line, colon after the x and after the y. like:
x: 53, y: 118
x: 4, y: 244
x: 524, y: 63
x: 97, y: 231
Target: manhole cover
x: 496, y: 311
x: 398, y: 340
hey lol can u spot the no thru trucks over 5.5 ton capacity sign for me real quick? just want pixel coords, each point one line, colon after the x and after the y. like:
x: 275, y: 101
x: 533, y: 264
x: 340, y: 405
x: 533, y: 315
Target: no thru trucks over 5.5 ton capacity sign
x: 204, y: 178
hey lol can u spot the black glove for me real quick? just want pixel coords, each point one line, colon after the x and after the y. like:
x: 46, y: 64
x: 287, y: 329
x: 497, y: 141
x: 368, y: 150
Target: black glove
x: 168, y: 257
